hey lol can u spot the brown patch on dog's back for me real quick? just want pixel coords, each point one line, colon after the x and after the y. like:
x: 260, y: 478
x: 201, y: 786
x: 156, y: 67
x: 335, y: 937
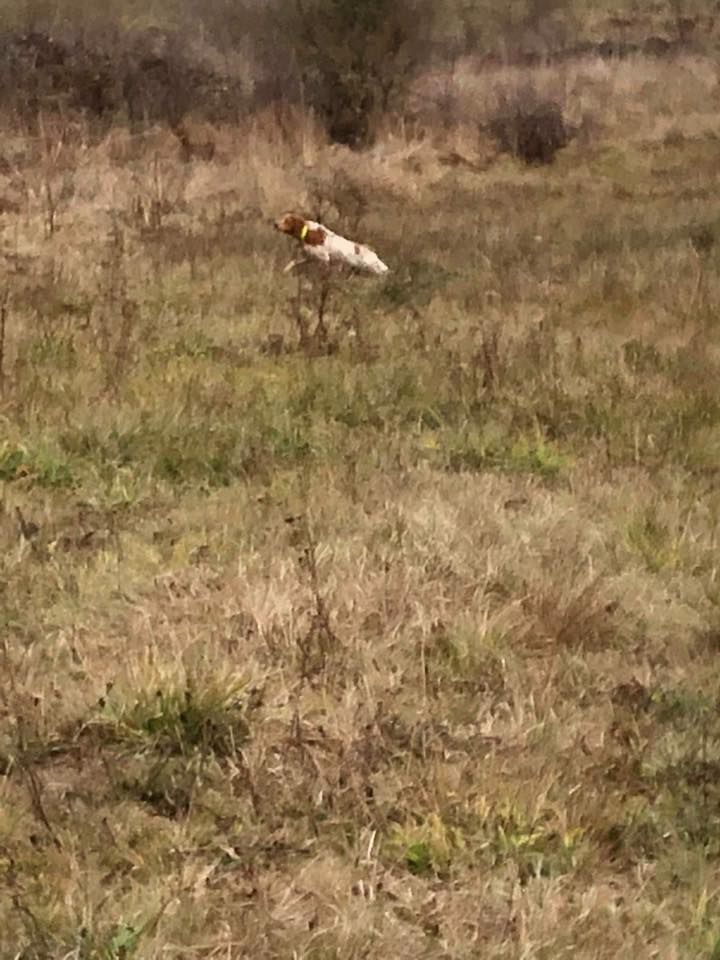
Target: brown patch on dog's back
x: 357, y: 249
x: 315, y: 238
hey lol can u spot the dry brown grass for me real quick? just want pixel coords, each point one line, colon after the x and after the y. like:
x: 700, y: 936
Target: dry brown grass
x: 637, y: 99
x: 408, y: 650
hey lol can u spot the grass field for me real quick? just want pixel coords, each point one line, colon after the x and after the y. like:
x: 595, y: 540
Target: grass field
x: 402, y: 648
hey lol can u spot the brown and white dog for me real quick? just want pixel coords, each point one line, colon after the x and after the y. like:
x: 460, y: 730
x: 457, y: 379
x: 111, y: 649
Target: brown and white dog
x: 327, y: 247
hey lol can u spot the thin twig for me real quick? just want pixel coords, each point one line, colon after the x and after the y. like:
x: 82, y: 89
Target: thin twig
x: 24, y: 763
x: 3, y: 328
x: 299, y: 318
x: 321, y: 335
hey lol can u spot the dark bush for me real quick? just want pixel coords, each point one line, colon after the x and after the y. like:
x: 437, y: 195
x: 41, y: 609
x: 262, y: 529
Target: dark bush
x: 145, y: 78
x: 529, y: 126
x: 356, y: 58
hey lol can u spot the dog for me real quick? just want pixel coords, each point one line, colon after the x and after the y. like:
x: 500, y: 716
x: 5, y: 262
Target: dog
x: 328, y: 248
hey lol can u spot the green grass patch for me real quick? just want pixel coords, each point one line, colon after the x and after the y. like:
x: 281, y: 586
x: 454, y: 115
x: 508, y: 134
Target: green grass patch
x: 179, y: 720
x: 474, y: 449
x: 39, y: 466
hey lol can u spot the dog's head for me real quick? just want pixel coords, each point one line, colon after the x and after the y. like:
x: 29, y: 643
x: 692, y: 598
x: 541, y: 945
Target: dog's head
x: 291, y: 224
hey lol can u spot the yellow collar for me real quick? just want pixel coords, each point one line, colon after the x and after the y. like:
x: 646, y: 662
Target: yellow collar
x: 304, y: 232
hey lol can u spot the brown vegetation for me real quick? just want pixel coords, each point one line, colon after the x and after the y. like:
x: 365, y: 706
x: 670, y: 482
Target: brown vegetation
x: 402, y: 644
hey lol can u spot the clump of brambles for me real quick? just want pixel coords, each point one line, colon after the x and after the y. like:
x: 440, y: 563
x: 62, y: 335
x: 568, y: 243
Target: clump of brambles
x: 528, y: 125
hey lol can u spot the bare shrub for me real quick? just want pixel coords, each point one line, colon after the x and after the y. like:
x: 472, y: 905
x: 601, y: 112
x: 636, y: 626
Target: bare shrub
x: 338, y: 196
x: 579, y: 615
x: 529, y: 125
x: 158, y: 191
x: 115, y: 312
x: 147, y: 77
x: 356, y: 59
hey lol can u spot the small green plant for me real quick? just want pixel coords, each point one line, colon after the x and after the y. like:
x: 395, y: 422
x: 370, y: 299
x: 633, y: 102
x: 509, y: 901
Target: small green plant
x: 56, y: 350
x: 532, y: 841
x: 650, y: 538
x: 428, y: 848
x: 473, y: 449
x: 635, y: 836
x: 466, y: 658
x: 536, y: 456
x: 419, y: 858
x: 40, y: 466
x: 643, y: 358
x: 123, y: 943
x: 681, y: 706
x: 181, y: 719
